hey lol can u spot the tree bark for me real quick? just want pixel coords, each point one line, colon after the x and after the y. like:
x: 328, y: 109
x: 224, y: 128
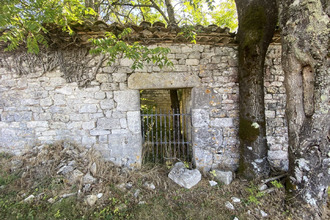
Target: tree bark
x: 305, y: 61
x: 257, y: 21
x: 170, y: 12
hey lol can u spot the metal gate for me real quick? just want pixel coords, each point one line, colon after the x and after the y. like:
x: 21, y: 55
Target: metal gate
x: 166, y: 136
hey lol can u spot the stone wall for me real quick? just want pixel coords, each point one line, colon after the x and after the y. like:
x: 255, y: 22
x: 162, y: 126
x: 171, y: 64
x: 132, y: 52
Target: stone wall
x: 43, y: 107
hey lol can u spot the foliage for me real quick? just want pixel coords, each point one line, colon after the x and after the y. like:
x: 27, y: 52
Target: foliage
x: 254, y: 194
x: 25, y: 21
x: 225, y: 15
x: 140, y: 54
x: 277, y: 184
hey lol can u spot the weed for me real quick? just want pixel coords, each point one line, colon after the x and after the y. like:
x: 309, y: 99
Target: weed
x: 277, y: 184
x: 212, y: 172
x: 254, y: 194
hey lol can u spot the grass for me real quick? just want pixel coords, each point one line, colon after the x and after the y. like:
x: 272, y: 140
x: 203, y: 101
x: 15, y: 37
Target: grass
x: 167, y: 201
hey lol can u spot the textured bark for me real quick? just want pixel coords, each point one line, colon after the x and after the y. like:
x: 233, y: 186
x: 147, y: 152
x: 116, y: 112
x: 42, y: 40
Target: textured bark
x: 257, y: 21
x: 170, y: 12
x: 94, y: 4
x: 305, y: 60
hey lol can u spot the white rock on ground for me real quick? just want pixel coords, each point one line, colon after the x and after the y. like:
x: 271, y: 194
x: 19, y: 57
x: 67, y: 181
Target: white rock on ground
x: 88, y: 179
x: 235, y: 199
x: 99, y: 196
x: 93, y: 169
x: 225, y: 177
x: 213, y: 183
x: 183, y: 176
x: 150, y: 186
x: 229, y: 205
x: 30, y: 198
x: 91, y: 199
x: 262, y: 187
x: 263, y: 214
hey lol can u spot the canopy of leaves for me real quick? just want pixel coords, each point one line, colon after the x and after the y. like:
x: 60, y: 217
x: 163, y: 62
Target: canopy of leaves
x: 24, y: 22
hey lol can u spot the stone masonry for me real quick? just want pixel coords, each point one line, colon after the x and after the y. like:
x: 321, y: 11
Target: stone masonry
x: 44, y: 107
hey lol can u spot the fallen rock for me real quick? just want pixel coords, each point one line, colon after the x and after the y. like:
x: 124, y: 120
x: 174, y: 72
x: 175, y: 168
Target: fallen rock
x: 262, y: 187
x: 68, y: 195
x: 229, y: 205
x: 263, y: 214
x: 93, y: 169
x: 213, y: 183
x: 87, y: 188
x: 65, y: 170
x: 99, y: 195
x: 183, y: 176
x: 149, y: 186
x: 76, y: 176
x: 235, y: 199
x: 91, y: 200
x: 225, y: 177
x: 30, y: 198
x: 88, y: 179
x: 137, y: 193
x: 129, y: 185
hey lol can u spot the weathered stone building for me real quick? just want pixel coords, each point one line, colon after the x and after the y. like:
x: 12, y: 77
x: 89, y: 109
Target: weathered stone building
x: 41, y: 102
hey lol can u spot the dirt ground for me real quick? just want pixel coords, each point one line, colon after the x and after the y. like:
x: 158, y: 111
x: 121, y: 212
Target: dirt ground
x: 63, y: 181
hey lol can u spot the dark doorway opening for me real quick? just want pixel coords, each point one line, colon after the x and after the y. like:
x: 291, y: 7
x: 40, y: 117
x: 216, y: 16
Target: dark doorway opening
x: 166, y: 125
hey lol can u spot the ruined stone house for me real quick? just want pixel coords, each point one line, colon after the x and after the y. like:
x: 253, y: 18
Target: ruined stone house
x: 64, y: 93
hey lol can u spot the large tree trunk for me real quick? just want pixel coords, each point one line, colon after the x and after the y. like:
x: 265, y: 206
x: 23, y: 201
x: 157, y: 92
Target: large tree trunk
x: 305, y: 60
x: 257, y: 21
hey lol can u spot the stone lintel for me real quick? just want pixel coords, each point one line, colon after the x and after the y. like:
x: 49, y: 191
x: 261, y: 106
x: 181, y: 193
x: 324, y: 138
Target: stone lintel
x: 163, y: 80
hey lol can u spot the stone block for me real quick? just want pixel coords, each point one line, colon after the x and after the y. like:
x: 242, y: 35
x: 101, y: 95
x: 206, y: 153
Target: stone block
x: 225, y: 177
x: 107, y: 104
x: 107, y: 123
x: 88, y: 108
x: 207, y: 137
x: 46, y: 102
x: 192, y: 62
x: 134, y: 121
x: 88, y: 125
x: 35, y: 124
x: 61, y: 117
x: 270, y: 114
x: 200, y: 118
x: 64, y: 90
x: 187, y: 49
x: 278, y: 155
x: 23, y: 116
x: 163, y: 80
x: 103, y: 78
x: 119, y: 77
x: 99, y: 95
x: 200, y: 97
x: 123, y: 123
x: 195, y: 55
x: 109, y: 86
x: 126, y: 62
x: 88, y: 141
x: 203, y: 158
x: 128, y: 100
x: 222, y: 122
x: 127, y: 148
x: 99, y: 132
x: 183, y: 176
